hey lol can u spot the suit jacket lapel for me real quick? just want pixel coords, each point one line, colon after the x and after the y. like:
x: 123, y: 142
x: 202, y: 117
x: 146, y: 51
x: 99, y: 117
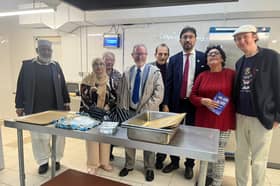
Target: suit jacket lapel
x: 197, y: 62
x: 179, y: 64
x: 131, y: 74
x: 145, y: 82
x: 54, y: 74
x: 33, y: 81
x: 145, y: 76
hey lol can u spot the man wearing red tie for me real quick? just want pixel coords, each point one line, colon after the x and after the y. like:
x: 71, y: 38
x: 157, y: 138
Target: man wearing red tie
x: 183, y: 68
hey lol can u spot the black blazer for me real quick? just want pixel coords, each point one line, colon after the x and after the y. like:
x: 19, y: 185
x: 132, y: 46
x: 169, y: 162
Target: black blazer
x: 266, y: 86
x: 174, y: 78
x: 26, y: 86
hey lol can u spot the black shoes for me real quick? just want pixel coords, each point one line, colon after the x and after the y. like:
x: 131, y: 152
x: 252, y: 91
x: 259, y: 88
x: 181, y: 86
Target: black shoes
x: 209, y: 181
x: 112, y: 157
x: 57, y: 166
x: 188, y: 173
x: 124, y: 172
x: 149, y: 175
x: 159, y: 165
x: 45, y: 167
x: 170, y: 167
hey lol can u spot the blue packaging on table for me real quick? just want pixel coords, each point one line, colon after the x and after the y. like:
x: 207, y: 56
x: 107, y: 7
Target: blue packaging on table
x: 82, y: 123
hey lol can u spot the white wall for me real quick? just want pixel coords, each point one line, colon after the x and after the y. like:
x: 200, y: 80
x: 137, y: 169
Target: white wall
x: 95, y: 46
x: 6, y: 81
x: 80, y: 47
x: 211, y: 11
x: 21, y: 46
x: 153, y: 34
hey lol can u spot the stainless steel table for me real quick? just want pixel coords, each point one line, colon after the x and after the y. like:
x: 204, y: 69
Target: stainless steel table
x: 193, y: 142
x: 1, y: 150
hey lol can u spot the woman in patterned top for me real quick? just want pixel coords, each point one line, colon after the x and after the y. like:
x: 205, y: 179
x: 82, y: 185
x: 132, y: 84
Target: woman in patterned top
x: 97, y: 91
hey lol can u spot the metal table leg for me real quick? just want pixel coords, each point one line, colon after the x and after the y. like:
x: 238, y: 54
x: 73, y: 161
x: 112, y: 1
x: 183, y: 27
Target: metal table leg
x: 202, y: 173
x: 2, y: 165
x: 21, y: 157
x: 53, y: 156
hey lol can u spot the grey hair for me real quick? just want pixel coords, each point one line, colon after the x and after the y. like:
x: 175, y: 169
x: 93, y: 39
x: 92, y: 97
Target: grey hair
x: 137, y: 46
x: 108, y: 54
x: 96, y: 60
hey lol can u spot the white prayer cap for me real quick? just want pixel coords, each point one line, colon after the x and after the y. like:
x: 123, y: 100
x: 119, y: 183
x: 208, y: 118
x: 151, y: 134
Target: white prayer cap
x: 245, y: 29
x: 44, y: 43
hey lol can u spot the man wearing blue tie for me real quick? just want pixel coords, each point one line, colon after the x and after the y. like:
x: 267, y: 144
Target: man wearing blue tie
x: 183, y: 68
x: 141, y: 89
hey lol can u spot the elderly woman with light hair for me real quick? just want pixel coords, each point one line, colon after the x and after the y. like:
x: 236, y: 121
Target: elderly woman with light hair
x: 97, y: 91
x: 115, y: 77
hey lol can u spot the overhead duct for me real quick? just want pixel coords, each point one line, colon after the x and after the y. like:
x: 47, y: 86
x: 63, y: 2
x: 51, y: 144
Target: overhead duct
x: 51, y: 3
x: 65, y: 18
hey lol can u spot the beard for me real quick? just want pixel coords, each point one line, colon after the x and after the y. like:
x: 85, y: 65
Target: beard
x: 44, y: 59
x: 188, y: 46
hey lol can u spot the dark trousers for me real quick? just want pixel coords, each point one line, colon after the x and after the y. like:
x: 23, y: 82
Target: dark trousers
x: 188, y: 107
x: 111, y: 149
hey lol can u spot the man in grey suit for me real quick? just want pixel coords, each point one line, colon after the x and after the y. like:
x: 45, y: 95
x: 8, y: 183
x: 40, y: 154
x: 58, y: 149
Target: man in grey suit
x: 141, y: 89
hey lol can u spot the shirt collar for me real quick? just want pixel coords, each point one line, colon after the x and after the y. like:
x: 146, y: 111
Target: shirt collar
x: 37, y: 61
x: 142, y: 68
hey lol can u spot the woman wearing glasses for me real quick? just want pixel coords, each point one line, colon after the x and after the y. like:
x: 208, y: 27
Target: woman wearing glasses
x: 96, y: 90
x: 212, y: 96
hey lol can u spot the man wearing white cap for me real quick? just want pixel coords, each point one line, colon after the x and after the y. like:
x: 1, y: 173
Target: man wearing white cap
x: 41, y: 87
x: 257, y: 97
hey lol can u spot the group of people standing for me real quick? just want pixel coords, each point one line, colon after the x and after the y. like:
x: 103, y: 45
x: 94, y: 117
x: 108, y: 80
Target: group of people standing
x: 189, y: 83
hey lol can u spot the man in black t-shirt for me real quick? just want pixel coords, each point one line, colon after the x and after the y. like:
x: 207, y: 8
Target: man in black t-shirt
x: 257, y: 97
x: 41, y: 87
x: 161, y: 55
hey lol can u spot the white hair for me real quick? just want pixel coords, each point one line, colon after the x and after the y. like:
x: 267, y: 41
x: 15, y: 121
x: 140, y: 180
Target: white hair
x: 138, y: 46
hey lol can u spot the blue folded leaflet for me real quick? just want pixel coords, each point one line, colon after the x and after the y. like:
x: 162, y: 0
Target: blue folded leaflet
x: 222, y: 100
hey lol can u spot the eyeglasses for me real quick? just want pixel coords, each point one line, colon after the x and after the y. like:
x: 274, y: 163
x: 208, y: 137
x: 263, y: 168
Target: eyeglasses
x: 214, y: 53
x: 140, y: 54
x: 186, y: 37
x: 98, y: 64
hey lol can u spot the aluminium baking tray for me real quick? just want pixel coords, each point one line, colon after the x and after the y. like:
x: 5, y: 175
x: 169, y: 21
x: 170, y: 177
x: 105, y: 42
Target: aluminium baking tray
x: 136, y: 131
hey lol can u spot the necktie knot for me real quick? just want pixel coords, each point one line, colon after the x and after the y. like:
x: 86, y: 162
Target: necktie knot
x: 138, y: 70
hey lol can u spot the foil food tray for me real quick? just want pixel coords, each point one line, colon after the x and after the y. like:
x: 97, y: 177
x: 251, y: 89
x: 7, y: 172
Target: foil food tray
x: 137, y: 130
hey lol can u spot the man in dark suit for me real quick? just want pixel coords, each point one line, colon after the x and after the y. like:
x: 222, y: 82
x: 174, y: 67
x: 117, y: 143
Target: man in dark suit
x: 183, y: 68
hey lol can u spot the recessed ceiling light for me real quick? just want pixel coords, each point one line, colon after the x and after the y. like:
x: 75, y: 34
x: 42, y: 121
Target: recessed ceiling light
x: 26, y: 12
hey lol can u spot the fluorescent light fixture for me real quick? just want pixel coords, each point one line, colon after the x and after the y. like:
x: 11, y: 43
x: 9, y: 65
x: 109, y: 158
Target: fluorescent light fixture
x: 26, y: 12
x: 95, y: 35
